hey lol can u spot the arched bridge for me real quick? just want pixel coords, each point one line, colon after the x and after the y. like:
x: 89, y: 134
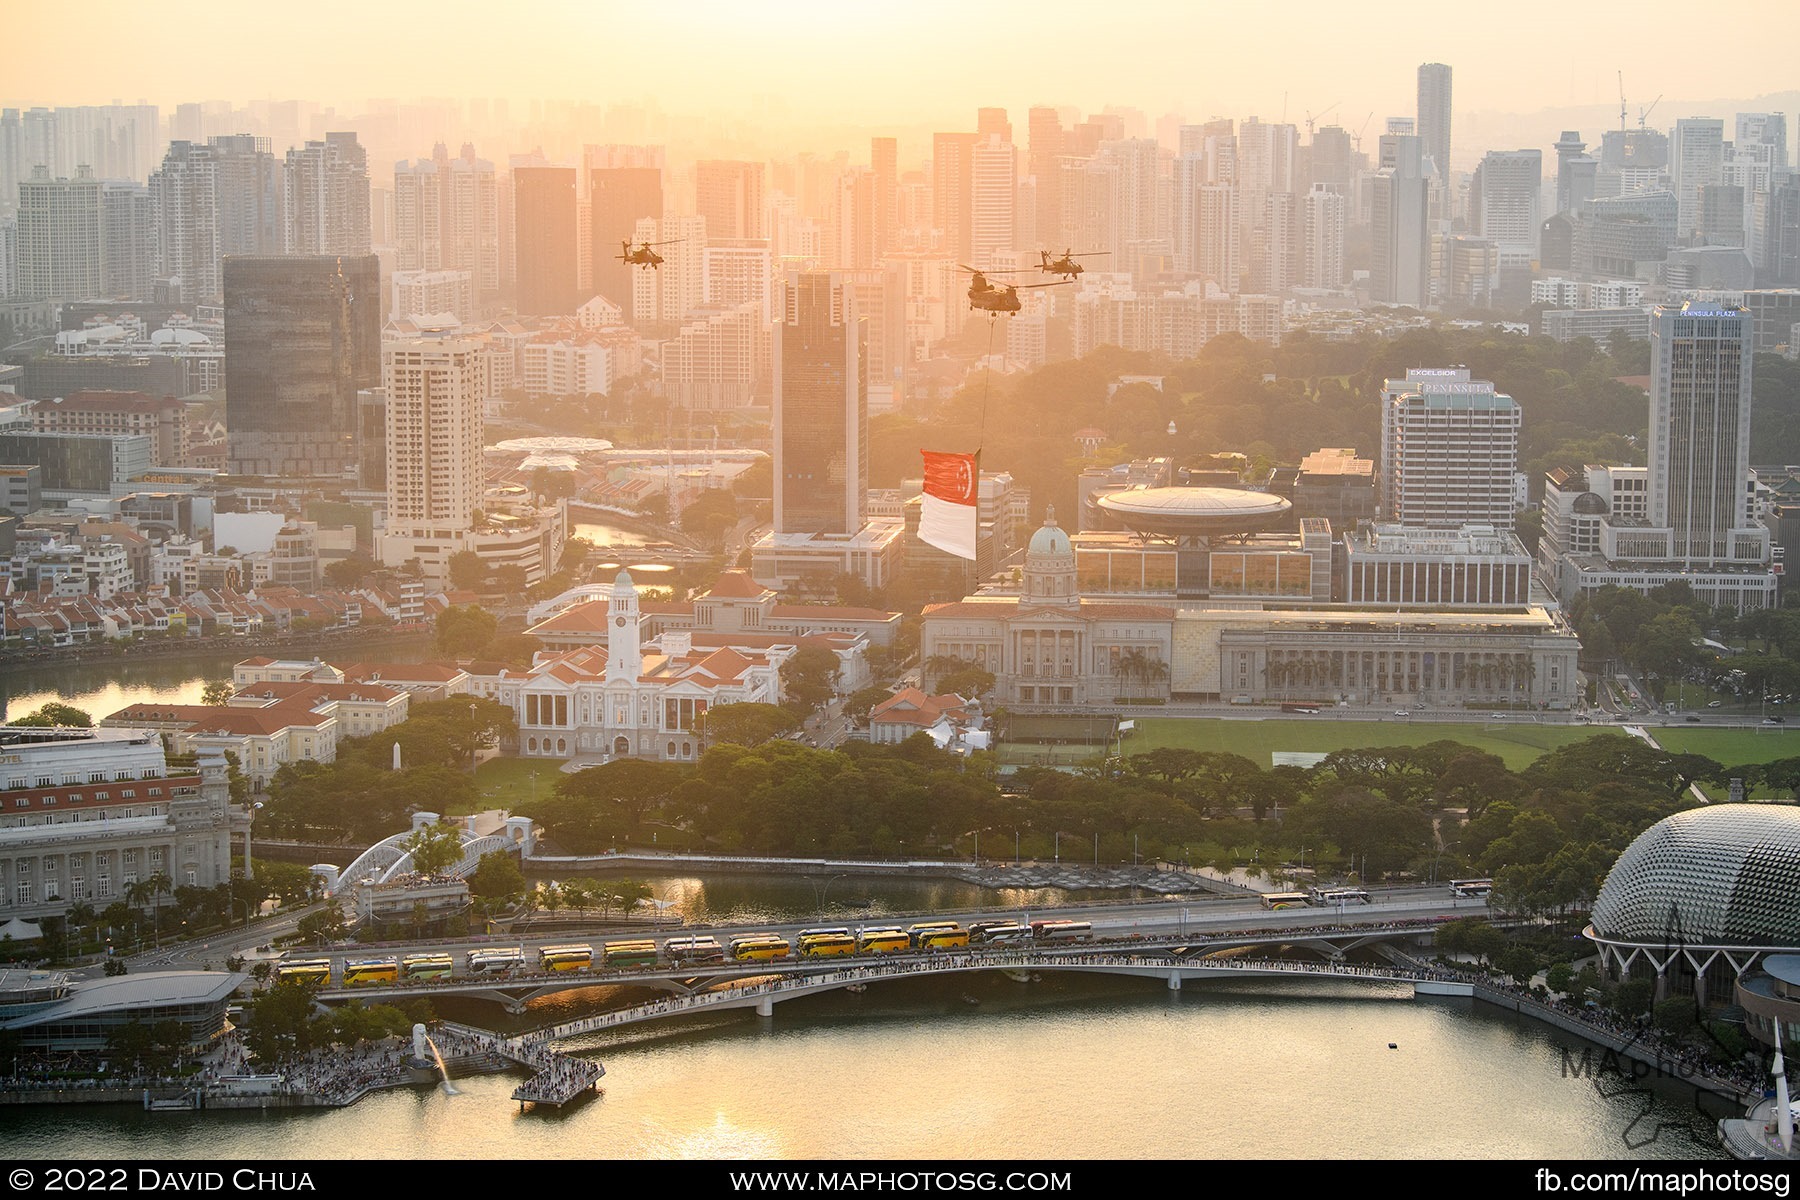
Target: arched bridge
x: 1171, y: 955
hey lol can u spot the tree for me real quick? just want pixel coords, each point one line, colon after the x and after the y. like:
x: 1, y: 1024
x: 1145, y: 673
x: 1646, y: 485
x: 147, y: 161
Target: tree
x: 434, y: 848
x: 326, y: 925
x: 349, y: 572
x: 461, y: 631
x: 466, y: 570
x: 54, y: 714
x: 710, y: 517
x: 290, y: 883
x: 745, y: 724
x: 497, y: 877
x: 217, y: 693
x: 969, y: 682
x: 510, y: 579
x: 594, y: 809
x: 151, y: 891
x: 809, y: 676
x: 516, y: 650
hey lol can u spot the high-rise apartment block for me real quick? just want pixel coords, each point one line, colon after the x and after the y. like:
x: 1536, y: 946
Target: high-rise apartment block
x: 1449, y: 451
x: 327, y: 196
x: 60, y: 237
x: 447, y: 218
x: 1399, y: 213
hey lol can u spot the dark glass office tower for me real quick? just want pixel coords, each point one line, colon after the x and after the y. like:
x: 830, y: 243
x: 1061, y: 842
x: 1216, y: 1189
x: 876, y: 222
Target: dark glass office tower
x: 302, y: 335
x: 821, y: 407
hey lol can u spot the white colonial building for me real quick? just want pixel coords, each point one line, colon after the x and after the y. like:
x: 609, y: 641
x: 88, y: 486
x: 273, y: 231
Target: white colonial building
x: 1047, y: 647
x: 632, y: 697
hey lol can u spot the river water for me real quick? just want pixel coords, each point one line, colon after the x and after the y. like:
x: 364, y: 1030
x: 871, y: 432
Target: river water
x: 985, y: 1067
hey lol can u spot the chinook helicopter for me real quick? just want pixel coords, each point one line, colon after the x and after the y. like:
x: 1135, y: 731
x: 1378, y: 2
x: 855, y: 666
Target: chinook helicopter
x: 986, y: 297
x: 644, y: 256
x: 1066, y: 266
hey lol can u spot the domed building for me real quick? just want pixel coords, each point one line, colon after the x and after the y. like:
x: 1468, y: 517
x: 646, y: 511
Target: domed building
x: 1701, y: 898
x: 1047, y: 647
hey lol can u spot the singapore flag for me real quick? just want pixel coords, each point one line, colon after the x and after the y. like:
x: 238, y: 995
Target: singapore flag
x: 947, y: 516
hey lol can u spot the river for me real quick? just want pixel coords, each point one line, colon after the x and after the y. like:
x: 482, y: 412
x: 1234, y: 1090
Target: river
x: 1069, y: 1067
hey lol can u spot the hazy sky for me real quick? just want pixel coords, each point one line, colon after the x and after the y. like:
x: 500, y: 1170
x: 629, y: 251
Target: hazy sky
x: 904, y: 61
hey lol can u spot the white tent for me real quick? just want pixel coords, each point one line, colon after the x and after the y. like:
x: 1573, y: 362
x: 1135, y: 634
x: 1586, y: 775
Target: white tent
x: 20, y: 930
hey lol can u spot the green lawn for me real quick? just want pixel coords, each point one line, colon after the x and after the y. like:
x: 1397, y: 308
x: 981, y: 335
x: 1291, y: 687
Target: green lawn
x: 1516, y: 740
x: 1733, y: 747
x: 508, y: 782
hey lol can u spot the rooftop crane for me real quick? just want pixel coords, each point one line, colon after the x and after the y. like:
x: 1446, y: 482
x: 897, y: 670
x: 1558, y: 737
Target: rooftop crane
x: 1310, y: 119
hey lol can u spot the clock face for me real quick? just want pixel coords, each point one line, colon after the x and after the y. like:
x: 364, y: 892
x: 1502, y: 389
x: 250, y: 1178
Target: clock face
x: 619, y: 621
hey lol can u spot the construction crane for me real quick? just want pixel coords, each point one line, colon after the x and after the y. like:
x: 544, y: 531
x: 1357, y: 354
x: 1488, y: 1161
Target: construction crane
x: 1644, y: 113
x: 1310, y: 119
x: 1621, y: 102
x: 1359, y: 131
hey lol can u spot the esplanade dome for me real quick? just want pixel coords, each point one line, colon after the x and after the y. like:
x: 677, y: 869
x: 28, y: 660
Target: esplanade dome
x: 1721, y: 875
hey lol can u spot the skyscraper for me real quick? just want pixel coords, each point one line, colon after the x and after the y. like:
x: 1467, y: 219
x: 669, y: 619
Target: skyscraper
x: 185, y: 193
x: 1399, y: 209
x: 446, y: 217
x: 434, y: 471
x: 730, y: 196
x: 303, y: 333
x: 1699, y: 450
x: 1696, y: 159
x: 60, y: 236
x: 1322, y: 238
x: 618, y: 198
x: 544, y: 233
x: 884, y: 161
x: 1575, y: 172
x: 128, y: 241
x: 993, y: 188
x: 952, y: 192
x: 1504, y: 203
x: 821, y: 407
x: 327, y: 197
x: 1434, y: 115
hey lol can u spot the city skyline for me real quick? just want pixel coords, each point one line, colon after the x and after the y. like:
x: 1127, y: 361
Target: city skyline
x: 1008, y: 53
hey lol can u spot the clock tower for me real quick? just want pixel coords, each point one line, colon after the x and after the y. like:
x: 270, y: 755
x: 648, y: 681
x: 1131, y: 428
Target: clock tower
x: 623, y: 657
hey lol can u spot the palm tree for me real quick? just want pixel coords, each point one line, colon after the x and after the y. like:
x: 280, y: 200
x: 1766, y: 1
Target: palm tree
x: 80, y: 914
x: 152, y: 890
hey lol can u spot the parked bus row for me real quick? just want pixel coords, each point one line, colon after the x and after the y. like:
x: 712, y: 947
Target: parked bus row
x: 833, y: 942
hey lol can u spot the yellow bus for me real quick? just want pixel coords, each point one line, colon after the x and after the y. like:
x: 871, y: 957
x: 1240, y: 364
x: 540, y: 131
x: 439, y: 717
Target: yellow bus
x: 943, y: 939
x: 917, y: 932
x: 371, y: 970
x: 565, y: 958
x: 1273, y: 900
x: 427, y: 966
x: 304, y: 970
x: 827, y: 945
x: 884, y: 941
x: 760, y: 947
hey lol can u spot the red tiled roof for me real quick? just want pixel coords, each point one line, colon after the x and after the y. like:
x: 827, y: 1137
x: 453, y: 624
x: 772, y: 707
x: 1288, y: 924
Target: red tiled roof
x: 830, y: 612
x: 736, y: 585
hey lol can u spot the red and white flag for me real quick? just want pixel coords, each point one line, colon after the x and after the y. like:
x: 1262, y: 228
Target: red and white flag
x: 952, y: 491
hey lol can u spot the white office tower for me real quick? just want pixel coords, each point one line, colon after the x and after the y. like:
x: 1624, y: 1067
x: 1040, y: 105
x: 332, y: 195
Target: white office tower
x: 676, y: 288
x: 1135, y: 194
x: 1434, y: 115
x: 60, y: 236
x: 1696, y: 161
x: 1322, y: 221
x: 993, y: 193
x: 1504, y: 202
x: 1399, y: 212
x: 1449, y: 451
x: 1699, y: 454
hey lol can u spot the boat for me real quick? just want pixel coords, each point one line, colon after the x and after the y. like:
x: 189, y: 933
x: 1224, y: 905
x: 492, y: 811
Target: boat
x: 858, y: 988
x: 1016, y: 975
x: 187, y: 1103
x: 968, y: 999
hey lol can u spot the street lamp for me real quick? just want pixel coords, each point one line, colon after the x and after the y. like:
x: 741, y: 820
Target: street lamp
x: 1056, y: 851
x: 819, y: 893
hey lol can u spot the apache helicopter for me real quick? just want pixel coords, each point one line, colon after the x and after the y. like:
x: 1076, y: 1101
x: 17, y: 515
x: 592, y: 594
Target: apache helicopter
x: 1066, y: 266
x: 644, y: 256
x: 985, y: 297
